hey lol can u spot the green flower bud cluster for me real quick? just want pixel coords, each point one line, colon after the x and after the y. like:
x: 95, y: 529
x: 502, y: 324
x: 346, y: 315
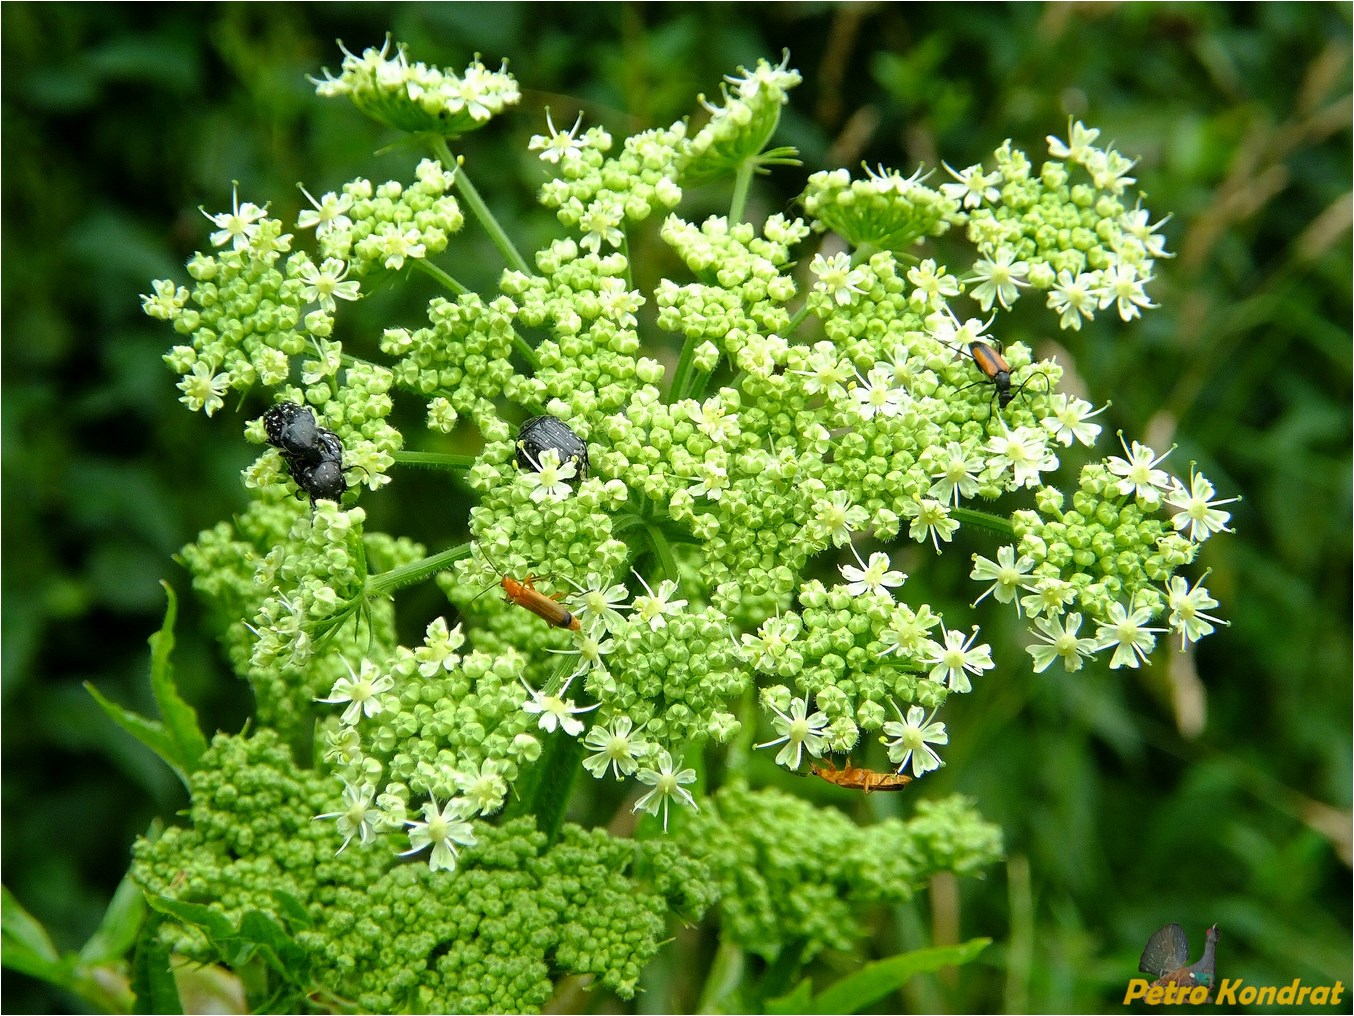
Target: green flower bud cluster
x: 419, y: 99
x: 383, y: 225
x: 791, y: 874
x: 590, y: 364
x: 884, y: 211
x: 390, y: 937
x: 460, y: 361
x: 740, y: 129
x: 1064, y: 229
x: 598, y: 196
x: 739, y: 307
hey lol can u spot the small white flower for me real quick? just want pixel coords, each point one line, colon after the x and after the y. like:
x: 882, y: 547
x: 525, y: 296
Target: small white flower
x: 1060, y: 641
x: 876, y: 577
x: 1139, y: 473
x: 548, y: 478
x: 929, y: 518
x: 1067, y: 418
x: 712, y: 482
x: 876, y: 394
x: 933, y: 284
x: 909, y: 739
x: 1080, y: 145
x: 238, y: 226
x: 1188, y: 604
x: 952, y: 662
x: 596, y: 603
x: 828, y: 371
x: 999, y: 280
x: 483, y: 785
x: 600, y: 223
x: 395, y: 246
x: 439, y: 649
x: 666, y: 784
x: 1006, y: 574
x: 835, y: 516
x: 974, y: 186
x: 614, y: 747
x: 1198, y: 510
x: 559, y: 146
x: 204, y: 389
x: 1120, y: 285
x: 837, y: 278
x: 957, y: 475
x: 1074, y: 298
x: 1024, y: 451
x: 325, y: 284
x: 358, y: 816
x: 1128, y: 634
x: 1049, y: 595
x: 712, y: 420
x: 652, y: 609
x: 797, y: 731
x: 444, y: 830
x: 329, y: 214
x: 362, y: 693
x: 555, y: 710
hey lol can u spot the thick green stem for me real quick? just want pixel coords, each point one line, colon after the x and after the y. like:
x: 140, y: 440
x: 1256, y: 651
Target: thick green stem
x: 479, y: 209
x: 797, y: 320
x: 428, y: 268
x: 742, y: 184
x: 416, y: 571
x: 996, y: 523
x: 435, y: 460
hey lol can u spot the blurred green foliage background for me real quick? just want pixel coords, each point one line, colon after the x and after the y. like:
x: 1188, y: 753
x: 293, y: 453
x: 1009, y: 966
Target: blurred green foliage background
x: 1213, y: 788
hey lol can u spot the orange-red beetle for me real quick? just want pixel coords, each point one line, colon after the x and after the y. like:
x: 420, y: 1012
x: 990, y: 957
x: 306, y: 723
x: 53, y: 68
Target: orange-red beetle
x: 867, y: 780
x: 524, y: 594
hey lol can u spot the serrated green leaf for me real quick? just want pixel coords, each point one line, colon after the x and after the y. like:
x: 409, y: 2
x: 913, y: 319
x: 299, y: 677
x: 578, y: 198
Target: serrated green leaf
x: 278, y: 949
x: 116, y: 933
x: 179, y: 717
x: 875, y: 980
x: 151, y: 733
x: 292, y: 909
x: 212, y: 922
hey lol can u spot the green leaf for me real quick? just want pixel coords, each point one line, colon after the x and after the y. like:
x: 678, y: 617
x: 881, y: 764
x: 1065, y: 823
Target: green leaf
x: 798, y: 1000
x: 178, y: 740
x: 152, y: 977
x: 117, y: 932
x: 875, y: 980
x: 151, y: 733
x: 26, y: 947
x: 212, y: 922
x: 180, y: 718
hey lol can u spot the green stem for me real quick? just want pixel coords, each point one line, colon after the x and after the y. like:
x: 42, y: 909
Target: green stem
x: 742, y: 184
x: 663, y: 551
x: 797, y: 320
x: 435, y: 460
x: 428, y: 268
x: 416, y: 571
x: 996, y: 523
x: 479, y: 209
x: 680, y: 376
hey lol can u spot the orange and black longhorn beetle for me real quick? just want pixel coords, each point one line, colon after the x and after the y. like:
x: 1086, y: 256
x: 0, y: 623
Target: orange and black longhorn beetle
x: 525, y: 594
x: 853, y: 778
x: 997, y: 373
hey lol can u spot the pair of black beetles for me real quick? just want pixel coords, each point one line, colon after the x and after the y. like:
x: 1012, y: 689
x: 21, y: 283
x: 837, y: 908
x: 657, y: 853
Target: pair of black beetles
x: 313, y: 454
